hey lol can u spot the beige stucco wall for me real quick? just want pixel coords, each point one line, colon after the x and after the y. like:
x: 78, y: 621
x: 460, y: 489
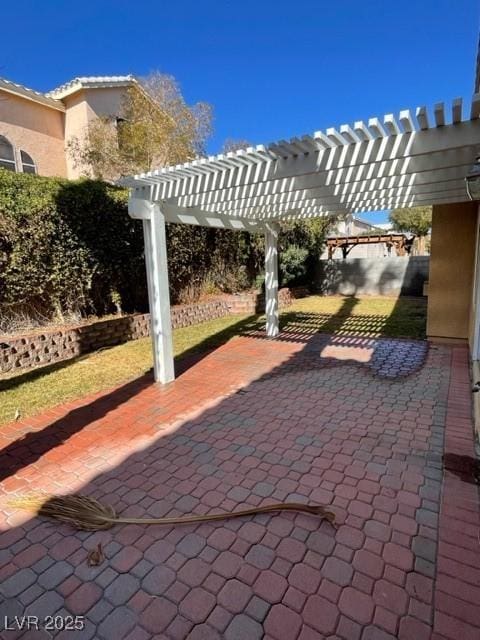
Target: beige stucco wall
x: 76, y: 119
x: 81, y: 108
x: 451, y: 270
x: 104, y: 102
x: 37, y: 129
x: 43, y: 132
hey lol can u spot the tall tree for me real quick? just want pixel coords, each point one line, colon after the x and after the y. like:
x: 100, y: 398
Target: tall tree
x: 155, y: 127
x: 416, y: 220
x: 234, y: 144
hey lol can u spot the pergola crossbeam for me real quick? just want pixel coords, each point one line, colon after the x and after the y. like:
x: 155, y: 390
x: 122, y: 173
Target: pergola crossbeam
x: 439, y: 114
x: 457, y: 110
x: 199, y: 217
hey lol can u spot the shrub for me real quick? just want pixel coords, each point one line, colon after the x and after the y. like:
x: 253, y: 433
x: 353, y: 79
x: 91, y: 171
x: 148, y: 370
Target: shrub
x: 293, y: 265
x: 301, y: 244
x: 69, y: 248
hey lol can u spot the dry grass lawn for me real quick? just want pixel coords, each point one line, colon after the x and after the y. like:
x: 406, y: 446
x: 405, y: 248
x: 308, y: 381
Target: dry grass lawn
x: 31, y: 392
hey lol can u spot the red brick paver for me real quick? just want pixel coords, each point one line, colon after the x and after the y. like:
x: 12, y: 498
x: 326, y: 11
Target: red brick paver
x: 360, y: 425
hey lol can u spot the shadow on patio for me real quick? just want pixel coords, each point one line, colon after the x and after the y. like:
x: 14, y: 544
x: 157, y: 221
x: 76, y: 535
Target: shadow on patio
x: 295, y: 327
x: 253, y: 422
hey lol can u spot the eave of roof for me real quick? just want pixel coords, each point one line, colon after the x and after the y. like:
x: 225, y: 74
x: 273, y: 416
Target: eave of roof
x: 29, y: 94
x: 90, y: 82
x: 361, y: 221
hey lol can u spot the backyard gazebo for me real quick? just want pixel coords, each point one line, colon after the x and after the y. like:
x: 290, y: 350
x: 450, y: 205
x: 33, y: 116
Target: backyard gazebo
x: 409, y: 160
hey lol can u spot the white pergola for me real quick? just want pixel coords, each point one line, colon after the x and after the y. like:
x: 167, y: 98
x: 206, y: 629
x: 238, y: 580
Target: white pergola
x: 418, y: 158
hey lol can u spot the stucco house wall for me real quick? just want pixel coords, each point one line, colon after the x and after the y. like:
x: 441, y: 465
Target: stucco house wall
x: 107, y: 102
x: 42, y: 124
x: 452, y: 263
x: 36, y: 129
x: 76, y: 120
x: 83, y: 107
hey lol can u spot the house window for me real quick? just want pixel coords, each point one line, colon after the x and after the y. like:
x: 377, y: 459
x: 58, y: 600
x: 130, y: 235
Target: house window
x: 7, y: 155
x: 28, y: 165
x: 120, y: 124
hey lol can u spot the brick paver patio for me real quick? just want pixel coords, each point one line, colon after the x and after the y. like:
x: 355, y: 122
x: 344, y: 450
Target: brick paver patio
x: 358, y: 424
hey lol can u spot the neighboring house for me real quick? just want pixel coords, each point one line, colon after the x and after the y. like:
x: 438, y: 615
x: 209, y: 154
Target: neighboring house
x: 385, y: 226
x: 36, y: 127
x: 353, y: 226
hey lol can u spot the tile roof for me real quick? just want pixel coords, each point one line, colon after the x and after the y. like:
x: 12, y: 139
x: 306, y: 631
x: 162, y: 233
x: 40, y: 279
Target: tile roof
x: 92, y: 82
x: 31, y: 94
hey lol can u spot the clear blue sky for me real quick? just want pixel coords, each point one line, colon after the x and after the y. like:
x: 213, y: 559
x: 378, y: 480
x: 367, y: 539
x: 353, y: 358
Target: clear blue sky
x: 271, y: 69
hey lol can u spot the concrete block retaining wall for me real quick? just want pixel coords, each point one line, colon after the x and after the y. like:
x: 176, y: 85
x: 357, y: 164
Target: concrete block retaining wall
x: 373, y: 276
x: 23, y: 352
x: 254, y: 301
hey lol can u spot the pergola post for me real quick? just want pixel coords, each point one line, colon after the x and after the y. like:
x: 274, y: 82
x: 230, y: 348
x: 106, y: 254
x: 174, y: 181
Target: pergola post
x: 271, y: 278
x: 159, y: 295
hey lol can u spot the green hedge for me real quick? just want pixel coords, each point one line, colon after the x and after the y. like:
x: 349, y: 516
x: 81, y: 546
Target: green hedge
x: 67, y: 246
x: 70, y: 246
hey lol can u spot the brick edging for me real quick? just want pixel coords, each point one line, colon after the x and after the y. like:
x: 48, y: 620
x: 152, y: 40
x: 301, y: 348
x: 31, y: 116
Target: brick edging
x: 457, y: 580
